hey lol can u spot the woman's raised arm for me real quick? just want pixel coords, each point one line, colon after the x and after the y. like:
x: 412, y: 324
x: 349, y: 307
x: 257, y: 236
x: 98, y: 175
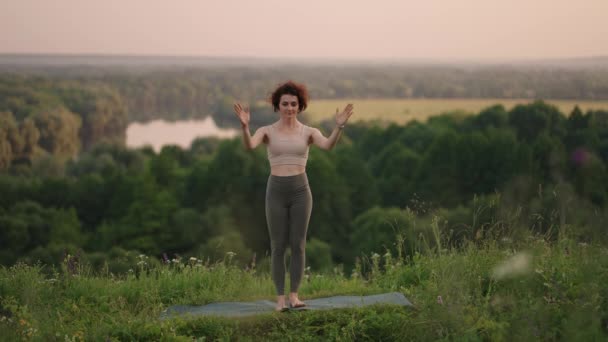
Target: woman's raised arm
x: 244, y: 116
x: 341, y: 119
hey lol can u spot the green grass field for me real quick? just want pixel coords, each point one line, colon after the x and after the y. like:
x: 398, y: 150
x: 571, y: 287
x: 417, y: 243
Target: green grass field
x: 404, y: 110
x: 495, y: 291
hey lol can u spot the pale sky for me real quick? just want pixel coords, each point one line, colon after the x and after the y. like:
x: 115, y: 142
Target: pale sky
x: 349, y: 29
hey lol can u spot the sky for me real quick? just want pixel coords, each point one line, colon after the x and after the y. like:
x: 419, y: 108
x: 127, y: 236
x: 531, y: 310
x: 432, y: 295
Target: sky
x: 343, y: 29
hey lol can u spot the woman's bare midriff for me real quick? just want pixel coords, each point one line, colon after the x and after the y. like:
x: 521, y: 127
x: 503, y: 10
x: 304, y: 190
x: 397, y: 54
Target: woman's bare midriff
x: 287, y: 170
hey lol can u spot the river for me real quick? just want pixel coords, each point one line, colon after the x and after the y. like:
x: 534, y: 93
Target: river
x: 158, y: 133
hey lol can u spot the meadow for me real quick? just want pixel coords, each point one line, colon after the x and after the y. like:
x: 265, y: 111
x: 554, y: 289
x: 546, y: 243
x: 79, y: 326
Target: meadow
x: 402, y: 111
x: 536, y: 274
x: 503, y: 290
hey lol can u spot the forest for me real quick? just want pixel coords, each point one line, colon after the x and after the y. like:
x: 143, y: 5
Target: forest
x: 69, y: 185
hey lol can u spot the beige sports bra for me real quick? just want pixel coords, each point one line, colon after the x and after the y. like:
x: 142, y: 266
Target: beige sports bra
x: 287, y: 150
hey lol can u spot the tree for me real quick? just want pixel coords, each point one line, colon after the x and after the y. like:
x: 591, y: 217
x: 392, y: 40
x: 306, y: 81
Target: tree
x: 11, y: 143
x: 28, y: 227
x: 10, y: 127
x: 376, y: 231
x: 579, y: 133
x: 437, y: 177
x: 533, y: 119
x: 6, y: 151
x: 331, y: 214
x: 218, y: 248
x: 360, y: 183
x: 417, y: 136
x: 494, y: 116
x: 395, y: 167
x: 31, y: 135
x: 235, y: 178
x: 59, y: 130
x: 318, y: 255
x: 549, y: 156
x: 101, y: 109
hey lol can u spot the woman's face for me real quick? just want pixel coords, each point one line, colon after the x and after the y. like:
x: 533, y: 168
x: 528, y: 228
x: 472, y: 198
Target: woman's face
x: 288, y: 105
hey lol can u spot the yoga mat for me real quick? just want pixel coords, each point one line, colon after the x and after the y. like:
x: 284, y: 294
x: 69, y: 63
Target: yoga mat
x: 239, y: 309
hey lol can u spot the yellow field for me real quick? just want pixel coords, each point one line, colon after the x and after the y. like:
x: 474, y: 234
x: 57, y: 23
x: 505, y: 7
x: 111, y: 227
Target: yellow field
x: 404, y: 110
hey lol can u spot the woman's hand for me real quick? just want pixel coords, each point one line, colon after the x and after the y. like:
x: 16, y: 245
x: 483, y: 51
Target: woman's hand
x: 342, y: 118
x: 242, y: 113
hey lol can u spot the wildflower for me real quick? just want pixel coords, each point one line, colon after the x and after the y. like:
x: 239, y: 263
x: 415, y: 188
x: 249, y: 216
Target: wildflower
x: 376, y: 263
x: 388, y: 259
x: 230, y: 256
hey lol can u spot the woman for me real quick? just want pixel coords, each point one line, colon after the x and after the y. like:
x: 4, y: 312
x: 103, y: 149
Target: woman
x: 288, y: 196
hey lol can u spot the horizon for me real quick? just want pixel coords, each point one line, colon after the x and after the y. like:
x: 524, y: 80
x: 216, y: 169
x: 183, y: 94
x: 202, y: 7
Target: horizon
x: 312, y: 59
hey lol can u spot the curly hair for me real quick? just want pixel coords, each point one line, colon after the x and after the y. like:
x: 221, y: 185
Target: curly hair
x: 290, y: 88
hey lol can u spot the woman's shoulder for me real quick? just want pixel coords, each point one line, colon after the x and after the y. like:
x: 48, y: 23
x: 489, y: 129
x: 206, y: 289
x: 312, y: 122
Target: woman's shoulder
x: 310, y: 129
x: 266, y: 128
x: 306, y: 127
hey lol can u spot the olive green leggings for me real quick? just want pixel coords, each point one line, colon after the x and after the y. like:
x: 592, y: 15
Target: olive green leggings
x: 288, y: 208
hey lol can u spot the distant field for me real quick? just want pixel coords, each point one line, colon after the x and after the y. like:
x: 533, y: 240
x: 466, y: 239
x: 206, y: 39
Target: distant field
x: 404, y: 110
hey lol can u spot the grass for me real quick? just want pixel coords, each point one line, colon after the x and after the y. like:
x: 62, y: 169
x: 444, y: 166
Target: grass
x: 496, y: 290
x: 401, y: 111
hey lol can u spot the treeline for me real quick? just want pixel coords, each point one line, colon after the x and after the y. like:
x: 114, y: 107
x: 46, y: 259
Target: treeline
x: 532, y: 167
x: 178, y: 92
x: 60, y: 111
x: 186, y: 93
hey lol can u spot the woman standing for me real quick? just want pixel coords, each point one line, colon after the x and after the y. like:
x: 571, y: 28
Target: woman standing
x: 288, y: 196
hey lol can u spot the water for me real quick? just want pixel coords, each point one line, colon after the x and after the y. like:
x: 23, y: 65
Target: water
x: 159, y: 132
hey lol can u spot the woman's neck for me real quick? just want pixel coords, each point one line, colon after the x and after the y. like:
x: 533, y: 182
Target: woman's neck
x: 288, y: 123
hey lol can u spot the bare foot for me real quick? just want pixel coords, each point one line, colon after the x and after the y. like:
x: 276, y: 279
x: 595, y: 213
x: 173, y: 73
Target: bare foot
x: 280, y: 304
x: 295, y: 302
